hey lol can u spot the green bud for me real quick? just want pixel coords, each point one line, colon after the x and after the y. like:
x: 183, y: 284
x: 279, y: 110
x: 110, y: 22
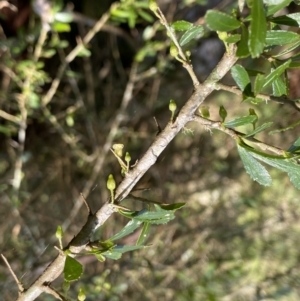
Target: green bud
x: 153, y: 5
x: 59, y: 233
x: 172, y: 106
x: 204, y: 111
x: 111, y: 183
x: 222, y: 113
x: 173, y: 50
x: 81, y: 295
x: 127, y: 157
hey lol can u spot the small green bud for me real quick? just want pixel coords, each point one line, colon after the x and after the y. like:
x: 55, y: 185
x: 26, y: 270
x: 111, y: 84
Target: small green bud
x: 59, y: 233
x: 153, y: 5
x: 111, y: 183
x: 204, y: 111
x: 172, y: 106
x: 81, y: 295
x: 222, y: 113
x: 127, y: 157
x: 173, y: 51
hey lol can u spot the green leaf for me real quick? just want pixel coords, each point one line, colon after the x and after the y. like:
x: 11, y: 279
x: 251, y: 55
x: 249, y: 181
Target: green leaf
x: 242, y: 47
x: 276, y: 73
x: 170, y: 207
x: 61, y: 27
x: 222, y: 113
x: 240, y: 76
x: 240, y: 121
x: 259, y: 83
x: 128, y: 229
x: 219, y: 21
x: 146, y: 16
x: 286, y: 165
x: 272, y: 9
x: 259, y: 129
x: 279, y: 87
x: 116, y: 252
x: 182, y: 25
x: 288, y: 49
x: 156, y: 217
x: 258, y: 29
x: 234, y: 38
x: 144, y: 234
x: 191, y: 34
x: 72, y: 270
x: 63, y: 17
x: 281, y: 37
x: 256, y: 171
x: 295, y: 146
x: 289, y: 20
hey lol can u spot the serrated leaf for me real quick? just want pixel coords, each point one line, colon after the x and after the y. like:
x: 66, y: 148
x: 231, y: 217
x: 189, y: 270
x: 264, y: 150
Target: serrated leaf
x: 182, y: 25
x: 219, y: 21
x: 240, y: 76
x: 281, y: 37
x: 242, y: 47
x: 190, y: 34
x: 240, y: 121
x: 289, y: 20
x: 276, y: 73
x: 259, y: 129
x: 258, y: 29
x: 286, y: 165
x: 256, y: 171
x: 128, y: 229
x: 72, y: 270
x: 144, y: 234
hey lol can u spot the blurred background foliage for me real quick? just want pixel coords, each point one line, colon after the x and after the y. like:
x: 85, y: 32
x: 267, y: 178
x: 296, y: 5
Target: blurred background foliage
x: 234, y: 239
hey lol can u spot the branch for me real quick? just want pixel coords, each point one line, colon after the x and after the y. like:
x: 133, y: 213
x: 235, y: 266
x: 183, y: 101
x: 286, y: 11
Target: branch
x: 236, y: 135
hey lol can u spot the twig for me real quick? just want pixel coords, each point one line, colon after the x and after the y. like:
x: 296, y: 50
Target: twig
x: 20, y: 285
x: 237, y: 135
x: 9, y: 117
x: 71, y: 56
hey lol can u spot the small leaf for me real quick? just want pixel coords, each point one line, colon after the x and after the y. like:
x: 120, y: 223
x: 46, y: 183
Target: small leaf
x: 289, y: 20
x: 272, y: 9
x: 182, y: 25
x: 295, y: 146
x: 234, y: 38
x: 144, y: 234
x: 72, y: 270
x: 128, y: 229
x: 279, y: 87
x: 242, y: 47
x: 286, y: 165
x: 170, y: 207
x: 63, y: 17
x: 288, y: 49
x: 191, y: 34
x: 240, y: 76
x: 276, y: 73
x: 281, y: 37
x: 258, y: 29
x: 259, y: 83
x: 218, y: 21
x: 61, y: 27
x: 222, y: 113
x: 259, y: 129
x: 144, y: 15
x: 253, y: 113
x: 256, y: 171
x: 240, y: 121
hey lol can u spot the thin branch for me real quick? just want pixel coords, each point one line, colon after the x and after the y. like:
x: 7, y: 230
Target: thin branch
x: 236, y: 91
x: 20, y: 285
x: 9, y: 117
x: 72, y: 55
x: 237, y: 135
